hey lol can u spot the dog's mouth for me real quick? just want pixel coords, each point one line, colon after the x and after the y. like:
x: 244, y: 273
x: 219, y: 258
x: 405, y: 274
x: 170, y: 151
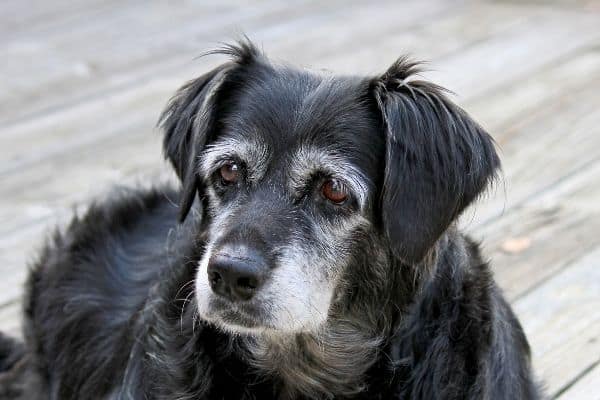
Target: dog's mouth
x: 238, y: 317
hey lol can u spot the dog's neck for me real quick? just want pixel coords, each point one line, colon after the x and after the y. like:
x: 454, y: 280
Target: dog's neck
x: 335, y: 361
x: 330, y: 363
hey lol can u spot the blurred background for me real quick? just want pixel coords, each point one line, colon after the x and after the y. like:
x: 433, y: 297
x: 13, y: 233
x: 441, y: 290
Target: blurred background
x: 82, y: 84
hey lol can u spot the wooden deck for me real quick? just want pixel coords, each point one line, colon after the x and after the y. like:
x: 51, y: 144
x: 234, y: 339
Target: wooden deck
x: 82, y: 84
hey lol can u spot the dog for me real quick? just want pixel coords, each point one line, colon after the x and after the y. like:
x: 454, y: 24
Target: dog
x: 312, y: 252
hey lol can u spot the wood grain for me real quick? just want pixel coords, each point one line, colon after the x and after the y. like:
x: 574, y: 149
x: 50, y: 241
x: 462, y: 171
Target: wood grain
x: 562, y: 321
x: 587, y: 388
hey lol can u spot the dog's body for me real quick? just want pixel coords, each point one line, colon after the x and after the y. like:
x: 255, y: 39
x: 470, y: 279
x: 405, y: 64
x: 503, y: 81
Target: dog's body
x: 321, y: 262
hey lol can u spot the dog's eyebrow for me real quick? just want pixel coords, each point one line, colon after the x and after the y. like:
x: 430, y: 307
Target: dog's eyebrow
x: 254, y: 153
x: 309, y: 160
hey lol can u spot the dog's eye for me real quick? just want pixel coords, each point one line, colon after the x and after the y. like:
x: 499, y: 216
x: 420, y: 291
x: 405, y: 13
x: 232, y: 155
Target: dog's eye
x: 334, y: 191
x: 230, y: 173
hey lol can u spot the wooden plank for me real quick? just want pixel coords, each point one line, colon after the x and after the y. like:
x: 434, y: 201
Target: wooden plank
x: 59, y: 131
x: 44, y: 184
x: 550, y: 230
x: 134, y: 110
x: 13, y: 279
x: 586, y: 388
x: 518, y: 53
x: 541, y: 120
x: 20, y: 139
x: 49, y: 131
x: 88, y: 52
x: 89, y: 118
x: 562, y: 321
x: 135, y: 45
x: 549, y: 214
x: 45, y: 130
x: 524, y: 99
x: 89, y: 81
x: 589, y: 5
x: 373, y: 46
x: 81, y: 179
x: 10, y: 319
x: 22, y: 18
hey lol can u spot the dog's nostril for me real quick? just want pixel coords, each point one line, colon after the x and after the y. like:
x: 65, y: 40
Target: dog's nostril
x: 214, y: 278
x: 247, y: 283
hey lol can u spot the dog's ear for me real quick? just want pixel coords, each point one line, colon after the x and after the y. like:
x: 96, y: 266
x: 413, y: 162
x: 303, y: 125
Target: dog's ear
x: 190, y: 117
x: 438, y: 160
x: 188, y: 121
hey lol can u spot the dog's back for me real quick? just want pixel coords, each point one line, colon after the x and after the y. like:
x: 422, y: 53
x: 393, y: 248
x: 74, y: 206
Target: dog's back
x: 90, y: 284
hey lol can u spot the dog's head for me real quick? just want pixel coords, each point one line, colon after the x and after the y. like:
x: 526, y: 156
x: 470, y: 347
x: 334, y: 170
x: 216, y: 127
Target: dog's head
x: 301, y: 174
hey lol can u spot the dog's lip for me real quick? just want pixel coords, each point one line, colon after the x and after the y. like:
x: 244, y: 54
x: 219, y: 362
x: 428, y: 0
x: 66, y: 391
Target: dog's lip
x: 234, y: 318
x: 236, y: 314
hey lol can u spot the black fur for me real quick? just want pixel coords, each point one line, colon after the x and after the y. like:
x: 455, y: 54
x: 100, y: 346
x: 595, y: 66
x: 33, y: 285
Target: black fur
x: 110, y: 310
x: 10, y: 352
x: 434, y: 148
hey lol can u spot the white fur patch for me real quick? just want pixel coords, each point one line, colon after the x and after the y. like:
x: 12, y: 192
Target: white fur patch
x: 300, y: 289
x: 254, y: 153
x: 309, y: 159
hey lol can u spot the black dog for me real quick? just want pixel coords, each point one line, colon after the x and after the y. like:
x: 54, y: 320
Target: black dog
x: 321, y: 260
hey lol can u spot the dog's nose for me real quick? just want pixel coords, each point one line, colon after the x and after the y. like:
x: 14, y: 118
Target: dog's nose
x: 237, y: 275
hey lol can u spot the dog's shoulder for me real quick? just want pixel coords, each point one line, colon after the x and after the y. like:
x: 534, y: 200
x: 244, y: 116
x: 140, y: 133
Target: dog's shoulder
x: 90, y: 281
x: 460, y: 331
x: 114, y: 231
x: 115, y: 217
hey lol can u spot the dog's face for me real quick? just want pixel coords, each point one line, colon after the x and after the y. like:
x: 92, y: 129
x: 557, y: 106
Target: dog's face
x: 302, y: 174
x: 289, y: 185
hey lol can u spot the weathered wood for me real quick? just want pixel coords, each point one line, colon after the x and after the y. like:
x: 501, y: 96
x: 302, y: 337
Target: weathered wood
x: 158, y: 39
x: 557, y: 290
x: 88, y: 52
x: 45, y: 127
x: 531, y: 171
x: 523, y: 99
x: 545, y: 39
x: 558, y: 225
x: 20, y: 138
x: 22, y: 19
x: 532, y: 118
x: 587, y: 388
x: 94, y: 125
x: 562, y: 321
x: 10, y: 319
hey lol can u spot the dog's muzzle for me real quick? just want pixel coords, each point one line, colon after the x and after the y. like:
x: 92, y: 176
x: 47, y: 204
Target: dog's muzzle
x: 237, y: 272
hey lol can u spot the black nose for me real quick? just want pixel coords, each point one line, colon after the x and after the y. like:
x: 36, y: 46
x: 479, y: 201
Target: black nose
x: 236, y: 273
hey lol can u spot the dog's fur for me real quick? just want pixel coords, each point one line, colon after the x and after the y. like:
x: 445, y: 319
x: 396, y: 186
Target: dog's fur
x: 379, y: 297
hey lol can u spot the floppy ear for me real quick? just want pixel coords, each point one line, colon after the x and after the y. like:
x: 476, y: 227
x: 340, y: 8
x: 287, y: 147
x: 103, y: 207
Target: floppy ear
x: 190, y: 117
x: 188, y: 121
x: 438, y: 160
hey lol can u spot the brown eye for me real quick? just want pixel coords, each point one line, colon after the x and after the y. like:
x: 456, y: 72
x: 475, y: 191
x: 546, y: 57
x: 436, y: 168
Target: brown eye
x: 334, y: 191
x: 230, y: 173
